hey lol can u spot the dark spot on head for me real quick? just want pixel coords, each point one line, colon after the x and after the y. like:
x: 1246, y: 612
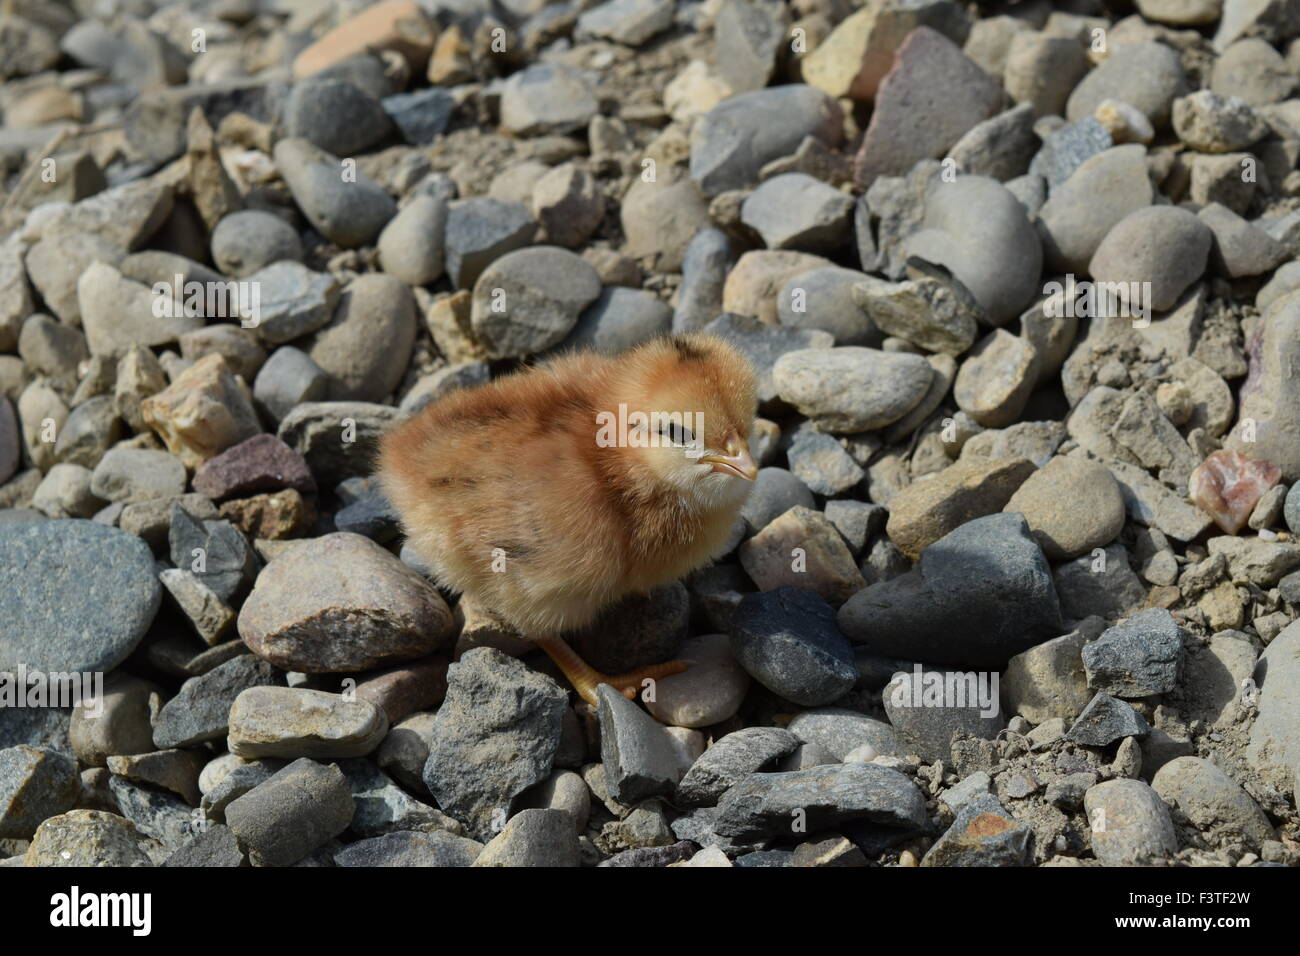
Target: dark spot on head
x: 687, y: 352
x: 451, y: 481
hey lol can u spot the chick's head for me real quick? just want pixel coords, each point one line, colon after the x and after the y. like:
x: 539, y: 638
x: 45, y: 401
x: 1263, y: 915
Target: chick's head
x: 691, y: 402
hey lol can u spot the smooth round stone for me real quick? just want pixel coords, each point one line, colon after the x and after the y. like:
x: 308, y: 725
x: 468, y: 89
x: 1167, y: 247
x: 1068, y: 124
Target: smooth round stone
x: 342, y: 603
x: 823, y: 299
x: 1147, y: 75
x: 35, y: 783
x: 246, y: 241
x: 836, y: 732
x: 74, y: 595
x: 775, y: 492
x: 546, y: 98
x: 996, y: 379
x: 336, y: 116
x: 619, y: 319
x: 343, y: 203
x: 1291, y: 509
x: 1210, y: 798
x: 852, y: 389
x: 410, y: 247
x: 1164, y: 245
x: 297, y: 722
x: 367, y: 344
x: 977, y: 229
x: 1072, y: 505
x: 788, y: 640
x: 529, y: 300
x: 1137, y: 828
x: 710, y: 692
x: 1083, y: 209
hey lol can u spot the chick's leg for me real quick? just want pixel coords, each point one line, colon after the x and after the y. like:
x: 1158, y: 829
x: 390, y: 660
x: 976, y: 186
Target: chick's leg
x: 586, y: 678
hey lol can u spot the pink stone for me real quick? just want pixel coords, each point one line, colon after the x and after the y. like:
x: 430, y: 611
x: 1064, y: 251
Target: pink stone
x: 262, y: 463
x: 1227, y: 486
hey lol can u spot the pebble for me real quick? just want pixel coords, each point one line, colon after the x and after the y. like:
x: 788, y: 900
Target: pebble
x: 982, y: 834
x: 927, y: 707
x: 1164, y: 246
x: 248, y: 241
x: 710, y: 692
x: 1254, y: 71
x: 199, y: 712
x: 421, y: 115
x: 1071, y: 505
x: 978, y: 230
x: 925, y: 511
x: 495, y: 735
x: 787, y: 639
x: 79, y: 596
x: 705, y: 263
x: 569, y: 205
x: 533, y: 838
x: 1099, y: 584
x: 35, y: 784
x: 1211, y: 123
x: 851, y: 389
x: 124, y: 725
x: 1239, y: 249
x: 337, y: 439
x: 1105, y: 720
x: 294, y: 300
x: 1130, y: 824
x: 546, y: 98
x: 91, y: 838
x: 271, y: 721
x: 204, y: 411
x: 735, y: 139
x: 480, y: 230
x: 288, y: 379
x: 296, y: 811
x: 796, y: 211
x: 258, y: 464
x: 1147, y: 75
x: 956, y: 94
x: 835, y: 732
x: 620, y: 319
x: 1080, y: 213
x: 1047, y: 680
x: 761, y: 805
x: 1209, y: 798
x: 1140, y: 657
x: 638, y: 756
x: 1274, y: 747
x: 365, y: 346
x: 117, y: 313
x: 660, y: 217
x: 999, y: 147
x: 527, y: 301
x: 802, y: 549
x: 410, y: 848
x: 939, y: 613
x: 411, y: 245
x: 342, y: 203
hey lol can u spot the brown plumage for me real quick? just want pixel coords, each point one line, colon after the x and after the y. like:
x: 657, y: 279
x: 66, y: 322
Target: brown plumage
x: 512, y: 494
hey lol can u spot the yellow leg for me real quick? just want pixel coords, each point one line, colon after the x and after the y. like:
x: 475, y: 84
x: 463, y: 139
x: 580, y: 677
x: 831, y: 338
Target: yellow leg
x: 586, y: 678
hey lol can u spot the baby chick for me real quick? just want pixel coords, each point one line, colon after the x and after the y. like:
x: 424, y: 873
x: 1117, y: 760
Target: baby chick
x: 550, y: 494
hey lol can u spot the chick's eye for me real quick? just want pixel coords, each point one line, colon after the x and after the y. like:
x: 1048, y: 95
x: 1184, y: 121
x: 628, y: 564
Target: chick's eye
x: 675, y: 434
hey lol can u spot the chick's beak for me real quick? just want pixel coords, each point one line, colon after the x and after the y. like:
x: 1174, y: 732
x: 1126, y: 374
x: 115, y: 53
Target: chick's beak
x: 734, y: 460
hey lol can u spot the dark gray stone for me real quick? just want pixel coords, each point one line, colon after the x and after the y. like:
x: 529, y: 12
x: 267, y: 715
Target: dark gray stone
x: 480, y: 231
x: 788, y: 641
x: 640, y: 759
x: 296, y: 811
x: 409, y: 848
x: 35, y: 784
x: 763, y: 344
x: 495, y: 735
x: 76, y: 595
x: 1106, y: 720
x: 767, y: 804
x: 200, y: 710
x: 1141, y: 657
x: 731, y: 759
x: 421, y: 115
x: 336, y: 116
x: 215, y: 845
x: 709, y: 256
x: 224, y: 561
x: 983, y: 834
x: 981, y: 594
x: 927, y: 707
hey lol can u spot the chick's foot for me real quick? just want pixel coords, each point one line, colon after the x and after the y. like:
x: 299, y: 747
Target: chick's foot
x: 585, y: 678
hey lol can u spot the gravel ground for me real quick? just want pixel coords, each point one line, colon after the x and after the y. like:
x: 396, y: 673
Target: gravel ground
x: 1019, y: 286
